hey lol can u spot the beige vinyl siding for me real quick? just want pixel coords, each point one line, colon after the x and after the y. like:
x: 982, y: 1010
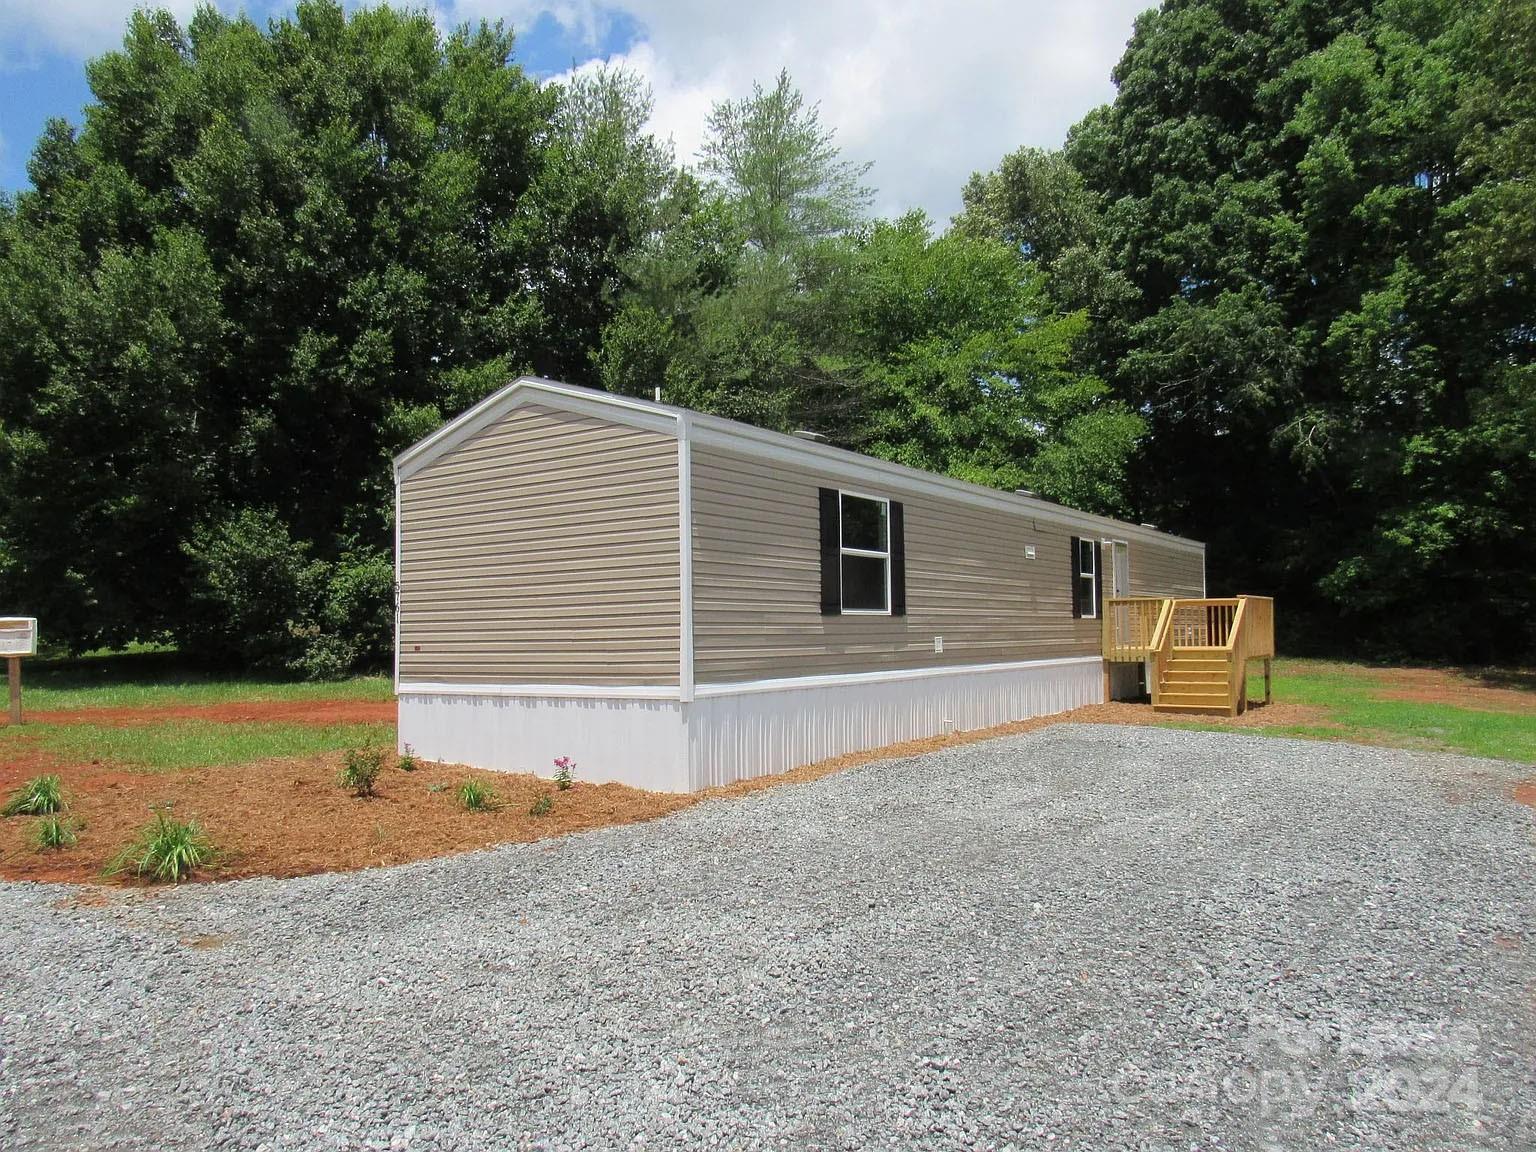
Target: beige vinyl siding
x: 757, y: 581
x: 542, y: 550
x: 1166, y: 570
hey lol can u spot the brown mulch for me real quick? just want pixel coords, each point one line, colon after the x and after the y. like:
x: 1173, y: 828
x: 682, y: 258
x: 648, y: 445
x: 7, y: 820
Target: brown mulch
x: 291, y: 817
x: 322, y: 713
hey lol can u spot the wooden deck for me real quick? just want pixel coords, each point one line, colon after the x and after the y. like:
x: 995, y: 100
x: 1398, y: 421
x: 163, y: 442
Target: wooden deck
x: 1197, y: 651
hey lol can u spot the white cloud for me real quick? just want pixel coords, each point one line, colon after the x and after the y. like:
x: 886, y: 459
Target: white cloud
x: 929, y: 92
x: 73, y: 27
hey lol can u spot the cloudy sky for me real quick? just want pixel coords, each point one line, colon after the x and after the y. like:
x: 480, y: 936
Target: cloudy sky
x: 928, y: 90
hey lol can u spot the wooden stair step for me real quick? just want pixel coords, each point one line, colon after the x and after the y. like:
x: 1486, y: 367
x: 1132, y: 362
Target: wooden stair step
x: 1221, y: 709
x: 1180, y: 696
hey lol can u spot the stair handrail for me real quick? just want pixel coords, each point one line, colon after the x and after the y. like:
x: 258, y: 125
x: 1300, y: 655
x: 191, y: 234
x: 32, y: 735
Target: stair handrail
x: 1162, y: 644
x: 1237, y: 661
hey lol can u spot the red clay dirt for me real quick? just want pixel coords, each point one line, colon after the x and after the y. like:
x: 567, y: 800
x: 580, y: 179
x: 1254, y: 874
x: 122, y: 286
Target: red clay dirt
x: 321, y: 713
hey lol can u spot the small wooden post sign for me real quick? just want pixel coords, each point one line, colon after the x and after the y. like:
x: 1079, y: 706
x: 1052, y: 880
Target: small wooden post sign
x: 18, y: 638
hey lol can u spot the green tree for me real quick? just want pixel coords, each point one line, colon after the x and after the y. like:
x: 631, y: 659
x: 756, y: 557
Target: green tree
x: 268, y: 259
x: 781, y: 169
x: 1322, y: 217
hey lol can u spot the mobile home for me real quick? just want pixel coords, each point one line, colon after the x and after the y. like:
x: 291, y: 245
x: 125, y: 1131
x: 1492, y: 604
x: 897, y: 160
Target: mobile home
x: 677, y: 601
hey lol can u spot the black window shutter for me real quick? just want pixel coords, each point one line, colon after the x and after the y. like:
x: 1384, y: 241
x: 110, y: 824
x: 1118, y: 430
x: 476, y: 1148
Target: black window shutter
x: 898, y: 560
x: 1076, y: 585
x: 1098, y: 577
x: 831, y: 555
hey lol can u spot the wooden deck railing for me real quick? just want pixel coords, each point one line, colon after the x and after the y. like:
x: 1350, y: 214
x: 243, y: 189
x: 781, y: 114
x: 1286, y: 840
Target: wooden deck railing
x: 1129, y: 623
x: 1233, y: 630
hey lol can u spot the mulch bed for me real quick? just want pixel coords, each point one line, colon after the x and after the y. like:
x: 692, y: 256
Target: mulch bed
x: 290, y: 817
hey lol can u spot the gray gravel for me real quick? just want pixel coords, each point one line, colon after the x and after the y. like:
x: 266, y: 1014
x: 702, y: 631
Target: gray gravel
x: 1084, y: 937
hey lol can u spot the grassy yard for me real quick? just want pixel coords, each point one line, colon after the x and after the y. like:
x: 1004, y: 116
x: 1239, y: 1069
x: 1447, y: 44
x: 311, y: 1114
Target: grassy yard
x: 78, y: 711
x: 158, y: 679
x: 1481, y: 713
x: 174, y: 745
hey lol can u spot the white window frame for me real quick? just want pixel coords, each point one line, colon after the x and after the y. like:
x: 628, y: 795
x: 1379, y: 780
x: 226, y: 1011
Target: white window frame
x: 873, y: 554
x: 1090, y: 609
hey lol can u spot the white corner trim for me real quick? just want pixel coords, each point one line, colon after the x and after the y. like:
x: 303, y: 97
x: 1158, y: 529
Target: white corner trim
x: 533, y: 390
x: 399, y: 585
x: 685, y: 558
x: 835, y: 680
x: 543, y: 691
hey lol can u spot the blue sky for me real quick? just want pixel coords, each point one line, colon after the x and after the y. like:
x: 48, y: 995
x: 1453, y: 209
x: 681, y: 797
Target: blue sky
x: 37, y: 83
x: 927, y: 92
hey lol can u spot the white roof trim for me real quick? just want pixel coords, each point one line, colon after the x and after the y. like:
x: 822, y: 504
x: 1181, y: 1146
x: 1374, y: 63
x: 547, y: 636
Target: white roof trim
x: 535, y: 390
x: 714, y: 431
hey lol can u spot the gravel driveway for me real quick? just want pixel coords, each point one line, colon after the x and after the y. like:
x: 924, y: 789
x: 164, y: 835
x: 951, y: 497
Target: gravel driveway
x: 1083, y: 937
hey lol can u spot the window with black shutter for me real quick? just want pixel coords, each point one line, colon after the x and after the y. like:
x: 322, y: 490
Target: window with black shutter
x: 1085, y: 578
x: 863, y: 555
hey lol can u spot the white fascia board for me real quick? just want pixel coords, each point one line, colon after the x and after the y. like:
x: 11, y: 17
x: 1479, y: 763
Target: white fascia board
x: 834, y: 680
x: 859, y: 469
x: 535, y: 390
x: 542, y: 691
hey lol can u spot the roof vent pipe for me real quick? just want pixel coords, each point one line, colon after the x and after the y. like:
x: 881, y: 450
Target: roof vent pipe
x: 1027, y: 492
x: 1151, y: 526
x: 813, y: 437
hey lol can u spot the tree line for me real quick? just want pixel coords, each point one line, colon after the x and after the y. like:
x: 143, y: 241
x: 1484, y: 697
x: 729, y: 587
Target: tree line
x: 1278, y: 296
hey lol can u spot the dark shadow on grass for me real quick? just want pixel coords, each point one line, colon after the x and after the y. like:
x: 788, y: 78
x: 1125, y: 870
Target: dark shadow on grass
x: 1520, y: 679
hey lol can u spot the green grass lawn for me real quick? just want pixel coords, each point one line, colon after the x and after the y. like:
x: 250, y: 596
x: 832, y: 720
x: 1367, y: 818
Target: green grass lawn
x: 150, y: 678
x: 182, y: 744
x: 1351, y: 697
x: 157, y: 678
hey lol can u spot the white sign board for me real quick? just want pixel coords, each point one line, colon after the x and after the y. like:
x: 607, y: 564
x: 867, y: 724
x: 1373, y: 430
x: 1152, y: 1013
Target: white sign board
x: 18, y: 636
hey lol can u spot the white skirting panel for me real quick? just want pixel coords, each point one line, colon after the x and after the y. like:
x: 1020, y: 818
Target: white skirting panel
x: 632, y: 741
x: 748, y: 732
x: 730, y: 731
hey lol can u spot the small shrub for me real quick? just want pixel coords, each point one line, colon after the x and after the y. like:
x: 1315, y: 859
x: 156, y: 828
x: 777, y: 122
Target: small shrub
x: 407, y: 761
x: 324, y: 657
x: 475, y: 796
x: 565, y: 771
x: 361, y: 769
x: 53, y: 831
x: 166, y: 850
x: 37, y: 797
x: 543, y: 806
x: 439, y: 786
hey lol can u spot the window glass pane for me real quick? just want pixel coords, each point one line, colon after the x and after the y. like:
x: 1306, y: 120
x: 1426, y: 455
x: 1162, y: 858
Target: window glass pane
x: 863, y: 523
x: 1085, y: 555
x: 1085, y: 595
x: 863, y: 584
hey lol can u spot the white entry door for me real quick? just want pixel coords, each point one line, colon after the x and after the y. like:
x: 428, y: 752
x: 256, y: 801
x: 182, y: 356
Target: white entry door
x: 1119, y: 567
x: 1125, y: 679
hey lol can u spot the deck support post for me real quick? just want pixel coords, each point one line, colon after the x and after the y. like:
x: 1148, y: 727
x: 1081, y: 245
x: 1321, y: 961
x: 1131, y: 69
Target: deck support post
x: 1266, y: 680
x: 13, y: 674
